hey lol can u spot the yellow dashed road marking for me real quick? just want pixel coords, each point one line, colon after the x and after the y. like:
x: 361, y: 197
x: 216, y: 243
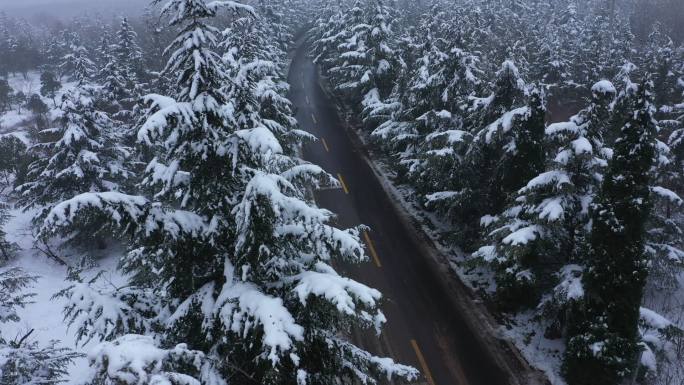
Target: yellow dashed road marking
x: 344, y: 185
x: 371, y: 248
x: 313, y: 117
x: 325, y: 144
x: 423, y: 363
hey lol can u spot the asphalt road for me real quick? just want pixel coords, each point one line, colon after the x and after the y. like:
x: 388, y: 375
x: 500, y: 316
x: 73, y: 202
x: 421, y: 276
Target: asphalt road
x: 424, y: 329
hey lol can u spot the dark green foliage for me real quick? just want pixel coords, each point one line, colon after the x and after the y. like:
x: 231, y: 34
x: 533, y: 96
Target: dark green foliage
x: 491, y: 160
x: 5, y: 92
x: 36, y: 105
x: 39, y: 110
x: 81, y: 153
x: 528, y: 158
x: 603, y: 343
x: 14, y: 160
x: 49, y: 85
x: 8, y: 249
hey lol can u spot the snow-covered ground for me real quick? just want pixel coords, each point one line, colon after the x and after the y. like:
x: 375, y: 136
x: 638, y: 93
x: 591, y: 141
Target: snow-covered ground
x: 14, y: 120
x: 44, y: 316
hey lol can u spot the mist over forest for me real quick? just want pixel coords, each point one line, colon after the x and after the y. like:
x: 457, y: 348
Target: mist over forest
x: 319, y: 192
x: 47, y: 10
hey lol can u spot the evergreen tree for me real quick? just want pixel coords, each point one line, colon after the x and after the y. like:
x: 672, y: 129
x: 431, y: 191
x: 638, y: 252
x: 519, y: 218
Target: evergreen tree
x: 101, y: 52
x: 7, y: 248
x: 485, y: 183
x: 427, y: 123
x: 116, y: 92
x: 39, y: 110
x: 660, y: 64
x: 675, y: 141
x: 13, y: 160
x: 328, y: 33
x: 78, y: 155
x: 603, y: 340
x: 228, y: 253
x: 5, y: 92
x: 541, y: 235
x: 57, y: 48
x: 127, y: 49
x: 665, y: 247
x: 366, y: 63
x: 78, y: 64
x: 49, y: 85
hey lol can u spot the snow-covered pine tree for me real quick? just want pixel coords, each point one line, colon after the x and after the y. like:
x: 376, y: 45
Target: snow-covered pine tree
x: 258, y: 87
x: 328, y: 32
x: 7, y: 249
x: 665, y: 228
x: 123, y: 75
x: 57, y: 47
x: 5, y: 92
x: 385, y: 62
x: 13, y: 160
x: 538, y: 243
x: 603, y: 344
x: 273, y: 13
x: 22, y: 361
x: 485, y: 186
x: 664, y: 241
x: 560, y: 47
x: 230, y: 261
x: 659, y: 61
x: 101, y: 51
x: 367, y: 62
x: 80, y: 153
x: 674, y: 121
x: 129, y: 53
x: 665, y: 244
x: 426, y: 132
x: 49, y: 85
x: 116, y: 88
x: 78, y: 64
x: 624, y: 104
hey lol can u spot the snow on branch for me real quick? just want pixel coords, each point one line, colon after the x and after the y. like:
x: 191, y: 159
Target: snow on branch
x: 658, y: 336
x: 310, y: 175
x: 355, y: 358
x: 667, y: 194
x: 342, y: 292
x: 557, y: 177
x: 137, y: 359
x: 158, y: 122
x: 124, y: 210
x: 242, y: 306
x: 12, y: 282
x: 102, y: 314
x: 113, y: 204
x: 504, y: 124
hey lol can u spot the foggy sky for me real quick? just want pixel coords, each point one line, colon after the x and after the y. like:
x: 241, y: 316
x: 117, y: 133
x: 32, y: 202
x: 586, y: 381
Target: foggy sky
x: 68, y: 8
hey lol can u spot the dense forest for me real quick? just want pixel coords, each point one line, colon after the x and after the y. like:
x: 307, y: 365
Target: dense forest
x: 543, y: 139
